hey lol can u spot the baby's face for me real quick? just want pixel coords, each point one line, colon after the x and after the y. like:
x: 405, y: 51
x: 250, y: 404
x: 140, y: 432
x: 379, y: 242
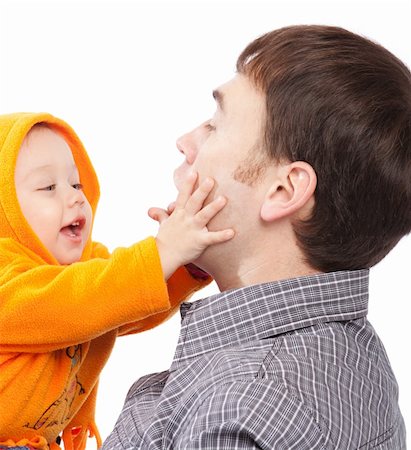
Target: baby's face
x: 50, y: 194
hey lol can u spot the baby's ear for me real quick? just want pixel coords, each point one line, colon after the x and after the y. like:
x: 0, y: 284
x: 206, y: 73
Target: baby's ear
x: 293, y: 188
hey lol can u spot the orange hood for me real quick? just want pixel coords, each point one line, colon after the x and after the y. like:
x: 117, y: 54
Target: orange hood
x: 13, y: 129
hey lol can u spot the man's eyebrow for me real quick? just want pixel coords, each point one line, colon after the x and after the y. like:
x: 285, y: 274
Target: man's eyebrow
x: 219, y: 98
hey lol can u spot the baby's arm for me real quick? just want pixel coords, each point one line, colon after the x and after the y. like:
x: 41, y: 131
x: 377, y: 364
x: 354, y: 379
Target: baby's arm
x: 64, y: 305
x: 46, y: 307
x: 183, y: 234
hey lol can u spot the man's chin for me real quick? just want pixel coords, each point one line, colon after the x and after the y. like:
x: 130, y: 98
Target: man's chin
x: 205, y: 261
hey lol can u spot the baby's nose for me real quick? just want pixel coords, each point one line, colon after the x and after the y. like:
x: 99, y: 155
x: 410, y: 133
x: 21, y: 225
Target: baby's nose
x: 76, y: 196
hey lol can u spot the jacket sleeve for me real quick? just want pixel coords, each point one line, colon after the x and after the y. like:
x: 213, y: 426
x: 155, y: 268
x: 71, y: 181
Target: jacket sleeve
x: 46, y: 307
x: 181, y: 286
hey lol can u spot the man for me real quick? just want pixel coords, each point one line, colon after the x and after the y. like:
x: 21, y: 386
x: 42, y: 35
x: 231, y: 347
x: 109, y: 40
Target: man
x: 311, y: 144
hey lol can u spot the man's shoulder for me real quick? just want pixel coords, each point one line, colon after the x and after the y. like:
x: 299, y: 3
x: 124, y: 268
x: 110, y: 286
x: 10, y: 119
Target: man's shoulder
x: 244, y: 404
x: 319, y: 375
x: 322, y: 351
x: 352, y: 344
x: 148, y: 383
x: 337, y: 361
x: 316, y: 379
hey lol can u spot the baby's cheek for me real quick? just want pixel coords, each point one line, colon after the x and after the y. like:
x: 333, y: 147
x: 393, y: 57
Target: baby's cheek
x: 89, y: 219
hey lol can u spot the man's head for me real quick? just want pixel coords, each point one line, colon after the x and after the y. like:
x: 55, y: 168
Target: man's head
x: 332, y: 133
x: 50, y: 194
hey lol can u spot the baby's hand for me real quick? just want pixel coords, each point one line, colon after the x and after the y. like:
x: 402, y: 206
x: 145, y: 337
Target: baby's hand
x: 183, y: 234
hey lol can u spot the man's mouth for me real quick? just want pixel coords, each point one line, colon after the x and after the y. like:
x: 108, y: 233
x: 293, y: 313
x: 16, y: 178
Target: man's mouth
x: 177, y: 179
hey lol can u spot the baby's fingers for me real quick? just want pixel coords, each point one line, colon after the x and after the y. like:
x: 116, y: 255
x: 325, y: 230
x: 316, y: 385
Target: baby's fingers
x: 171, y: 207
x: 216, y: 237
x: 209, y: 211
x: 158, y: 214
x: 186, y: 190
x: 197, y: 199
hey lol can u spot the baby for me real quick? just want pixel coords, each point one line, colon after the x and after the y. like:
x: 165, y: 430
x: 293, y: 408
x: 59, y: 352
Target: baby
x: 64, y: 299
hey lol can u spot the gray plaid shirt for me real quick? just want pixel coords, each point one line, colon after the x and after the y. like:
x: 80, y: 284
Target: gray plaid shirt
x: 284, y: 365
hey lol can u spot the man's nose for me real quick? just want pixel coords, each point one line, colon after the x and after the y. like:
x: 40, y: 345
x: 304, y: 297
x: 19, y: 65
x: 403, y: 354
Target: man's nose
x: 186, y: 146
x: 189, y: 144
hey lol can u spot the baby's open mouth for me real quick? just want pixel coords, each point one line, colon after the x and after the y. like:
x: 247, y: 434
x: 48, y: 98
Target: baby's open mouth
x: 74, y: 228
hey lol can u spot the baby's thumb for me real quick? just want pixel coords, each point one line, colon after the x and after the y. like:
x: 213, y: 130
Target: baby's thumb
x: 158, y: 214
x: 171, y: 207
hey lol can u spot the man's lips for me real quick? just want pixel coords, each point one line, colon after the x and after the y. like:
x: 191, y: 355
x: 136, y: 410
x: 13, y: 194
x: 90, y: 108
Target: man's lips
x: 177, y: 178
x: 180, y: 174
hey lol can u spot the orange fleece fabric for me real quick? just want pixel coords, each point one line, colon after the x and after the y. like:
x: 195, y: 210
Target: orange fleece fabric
x: 58, y: 324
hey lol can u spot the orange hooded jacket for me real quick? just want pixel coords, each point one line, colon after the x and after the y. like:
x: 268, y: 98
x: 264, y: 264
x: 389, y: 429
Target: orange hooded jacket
x: 58, y: 324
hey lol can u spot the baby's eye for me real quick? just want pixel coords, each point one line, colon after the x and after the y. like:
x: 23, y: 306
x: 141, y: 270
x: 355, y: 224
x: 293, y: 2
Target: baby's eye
x: 78, y: 186
x: 52, y: 187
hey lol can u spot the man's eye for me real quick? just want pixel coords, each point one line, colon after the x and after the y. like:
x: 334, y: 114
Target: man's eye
x: 210, y: 127
x: 78, y: 186
x: 52, y: 187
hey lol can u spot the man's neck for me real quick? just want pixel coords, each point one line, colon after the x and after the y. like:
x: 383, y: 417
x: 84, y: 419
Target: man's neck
x: 257, y: 272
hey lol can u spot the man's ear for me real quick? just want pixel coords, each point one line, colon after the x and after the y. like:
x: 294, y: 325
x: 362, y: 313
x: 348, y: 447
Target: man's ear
x: 291, y: 191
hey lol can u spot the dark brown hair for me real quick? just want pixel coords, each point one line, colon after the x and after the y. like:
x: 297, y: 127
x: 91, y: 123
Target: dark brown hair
x: 343, y: 104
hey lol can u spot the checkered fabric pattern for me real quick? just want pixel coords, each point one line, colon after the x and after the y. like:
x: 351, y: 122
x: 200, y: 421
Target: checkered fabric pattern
x: 284, y: 365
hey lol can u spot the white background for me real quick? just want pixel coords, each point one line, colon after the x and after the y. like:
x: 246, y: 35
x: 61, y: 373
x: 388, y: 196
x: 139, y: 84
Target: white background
x: 130, y: 77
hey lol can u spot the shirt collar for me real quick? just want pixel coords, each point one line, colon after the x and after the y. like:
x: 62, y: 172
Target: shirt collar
x: 265, y: 310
